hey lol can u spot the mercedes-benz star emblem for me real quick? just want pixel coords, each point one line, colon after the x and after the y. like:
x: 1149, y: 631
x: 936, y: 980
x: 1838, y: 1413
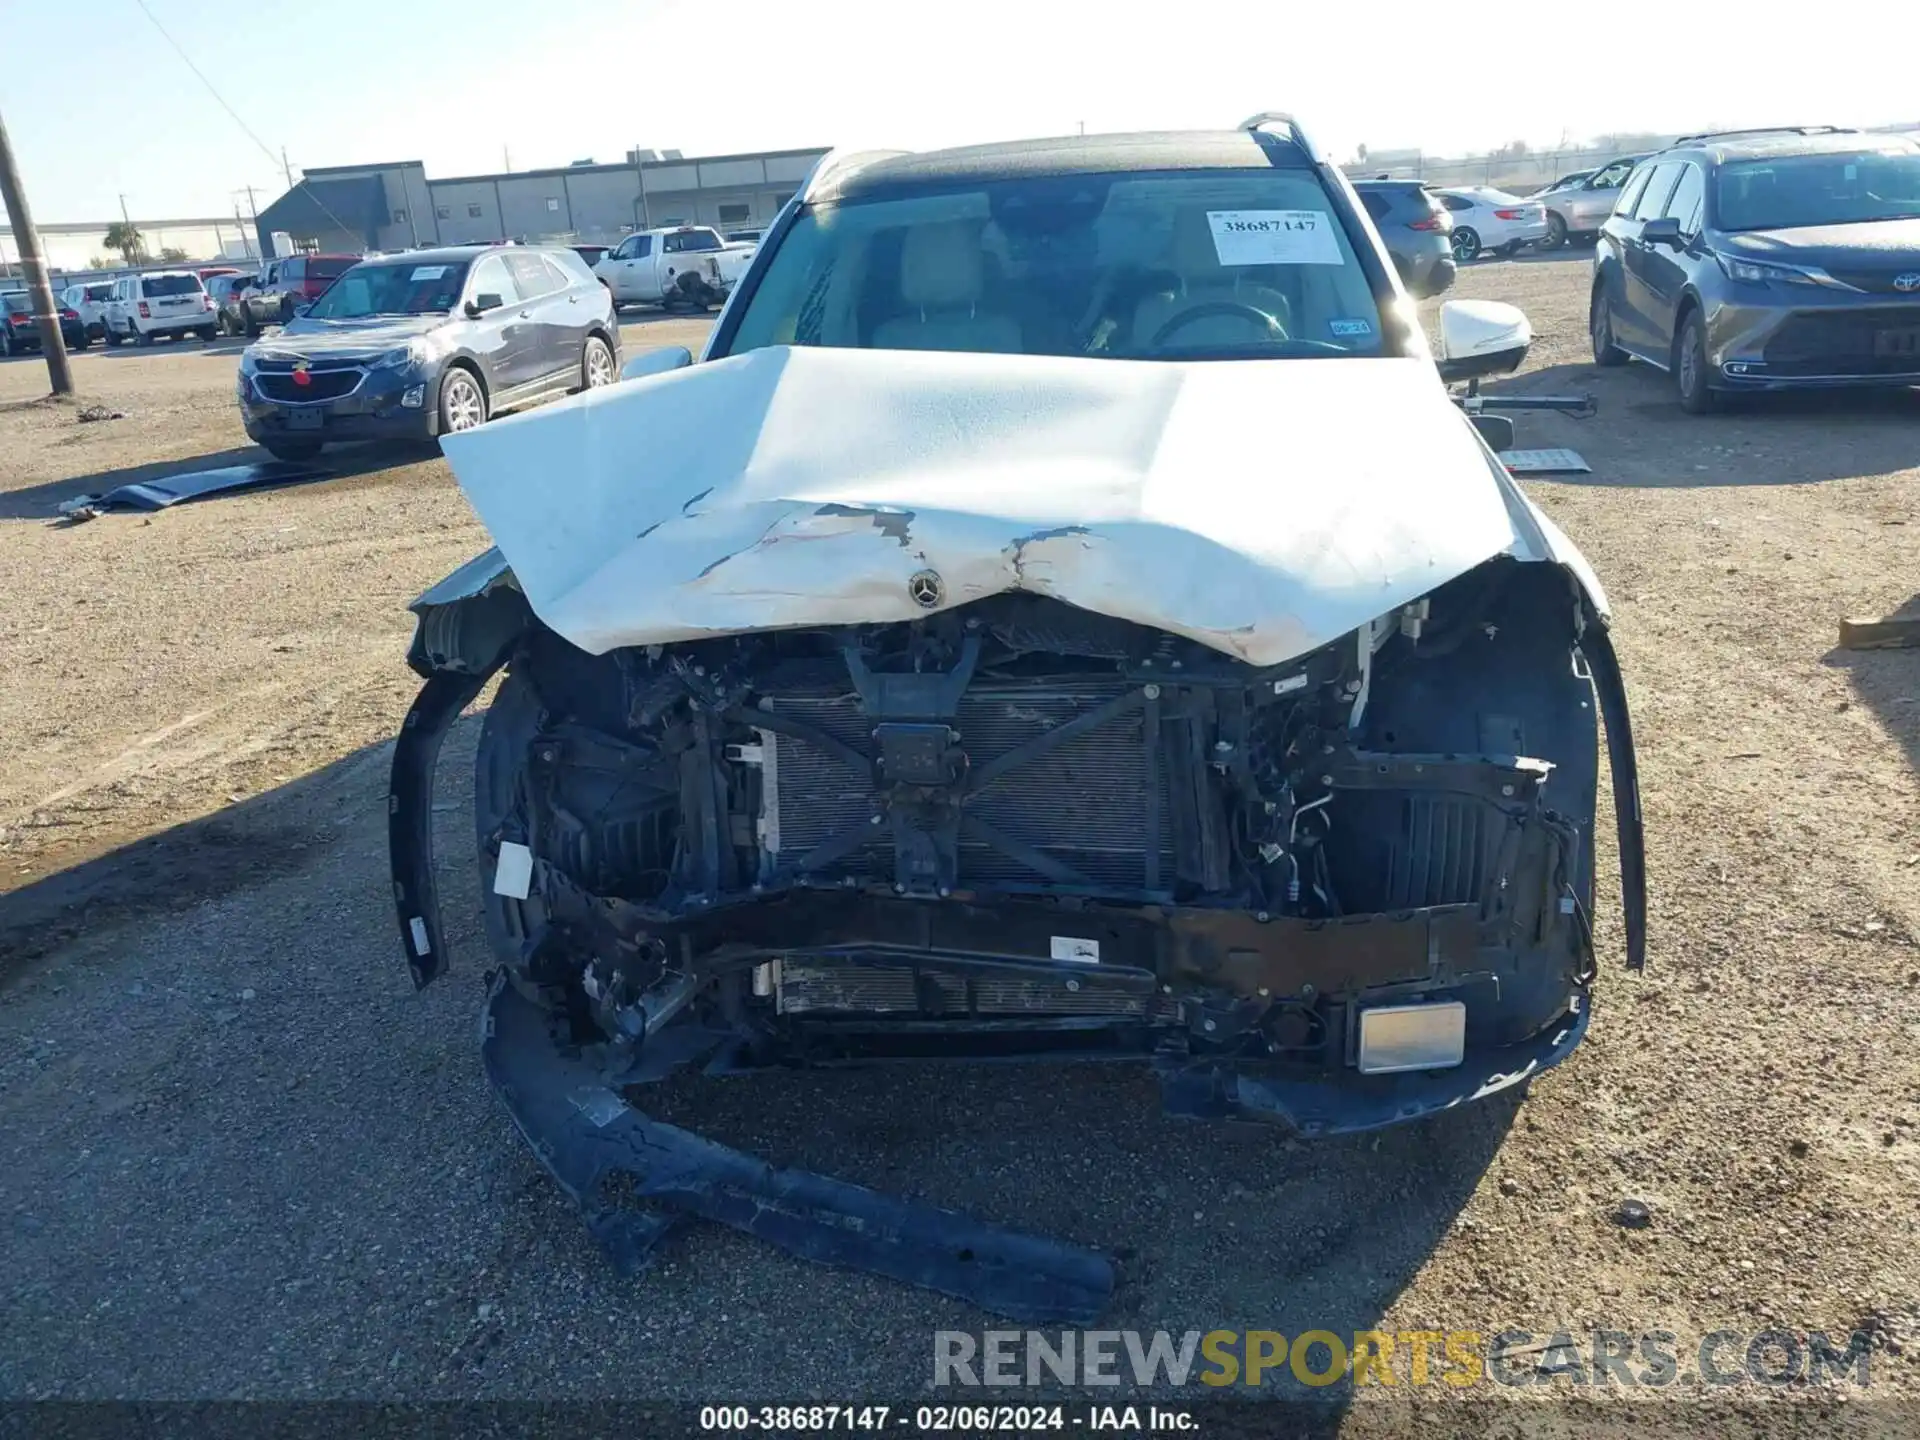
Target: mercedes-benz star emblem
x: 927, y: 589
x: 1906, y: 284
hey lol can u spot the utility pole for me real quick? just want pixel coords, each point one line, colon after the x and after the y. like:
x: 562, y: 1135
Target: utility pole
x: 39, y: 285
x: 285, y: 168
x: 506, y: 159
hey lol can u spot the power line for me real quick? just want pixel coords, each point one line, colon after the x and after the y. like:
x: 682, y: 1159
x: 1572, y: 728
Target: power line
x: 265, y: 149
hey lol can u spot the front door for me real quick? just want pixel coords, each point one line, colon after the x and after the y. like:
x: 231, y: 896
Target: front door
x: 504, y: 333
x: 1660, y: 277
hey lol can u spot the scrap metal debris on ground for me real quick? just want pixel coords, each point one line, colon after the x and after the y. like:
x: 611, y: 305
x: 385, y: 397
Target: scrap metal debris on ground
x: 1900, y: 630
x: 193, y: 485
x: 91, y: 413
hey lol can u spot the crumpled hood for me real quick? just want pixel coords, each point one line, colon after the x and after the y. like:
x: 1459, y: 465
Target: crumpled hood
x: 1262, y: 508
x: 339, y: 339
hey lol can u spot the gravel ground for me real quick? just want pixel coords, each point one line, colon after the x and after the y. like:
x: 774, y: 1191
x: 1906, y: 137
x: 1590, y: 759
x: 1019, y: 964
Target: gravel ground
x: 239, y: 1157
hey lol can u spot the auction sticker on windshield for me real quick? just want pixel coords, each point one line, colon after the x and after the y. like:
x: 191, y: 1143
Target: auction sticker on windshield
x: 1274, y: 237
x: 426, y: 272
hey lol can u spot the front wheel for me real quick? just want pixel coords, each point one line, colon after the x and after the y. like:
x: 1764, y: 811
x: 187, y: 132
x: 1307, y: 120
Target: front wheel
x: 1692, y: 373
x: 463, y: 404
x: 1556, y: 232
x: 596, y: 364
x: 1466, y: 243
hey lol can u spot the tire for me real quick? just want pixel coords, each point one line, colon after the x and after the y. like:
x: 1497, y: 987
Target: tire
x: 81, y: 343
x: 463, y: 401
x: 209, y: 334
x: 1600, y: 328
x: 596, y: 364
x: 1692, y: 372
x: 6, y: 343
x: 1556, y: 232
x: 291, y: 449
x: 109, y: 337
x: 143, y: 338
x: 1466, y: 243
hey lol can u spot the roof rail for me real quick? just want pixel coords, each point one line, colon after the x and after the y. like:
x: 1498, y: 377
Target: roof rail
x: 1253, y: 124
x: 836, y: 162
x: 1764, y: 130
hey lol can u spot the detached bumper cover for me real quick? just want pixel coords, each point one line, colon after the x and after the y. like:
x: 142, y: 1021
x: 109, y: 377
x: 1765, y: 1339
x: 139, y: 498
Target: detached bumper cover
x: 584, y: 1133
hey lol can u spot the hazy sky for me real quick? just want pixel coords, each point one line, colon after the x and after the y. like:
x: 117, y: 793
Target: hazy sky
x: 457, y: 83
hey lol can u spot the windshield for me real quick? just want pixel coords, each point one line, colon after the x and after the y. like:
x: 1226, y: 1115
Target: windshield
x: 405, y: 288
x: 1191, y: 265
x: 1838, y: 189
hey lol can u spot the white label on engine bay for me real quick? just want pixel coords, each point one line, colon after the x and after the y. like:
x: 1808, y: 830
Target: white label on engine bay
x: 513, y: 875
x: 1071, y: 947
x: 1274, y: 237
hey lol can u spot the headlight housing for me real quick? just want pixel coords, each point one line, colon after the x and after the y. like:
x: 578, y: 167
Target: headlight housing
x: 414, y: 352
x: 1758, y: 272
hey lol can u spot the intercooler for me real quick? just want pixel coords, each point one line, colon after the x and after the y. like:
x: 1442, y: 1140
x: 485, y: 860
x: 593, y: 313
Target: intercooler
x: 1083, y: 802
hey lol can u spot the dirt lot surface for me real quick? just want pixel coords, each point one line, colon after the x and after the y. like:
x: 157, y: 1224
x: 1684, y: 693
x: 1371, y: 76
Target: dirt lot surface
x: 240, y: 1157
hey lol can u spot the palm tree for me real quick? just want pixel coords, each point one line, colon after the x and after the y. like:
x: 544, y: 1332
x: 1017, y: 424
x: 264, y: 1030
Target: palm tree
x: 122, y: 236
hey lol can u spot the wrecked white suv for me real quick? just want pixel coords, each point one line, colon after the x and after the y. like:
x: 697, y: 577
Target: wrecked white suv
x: 1063, y: 614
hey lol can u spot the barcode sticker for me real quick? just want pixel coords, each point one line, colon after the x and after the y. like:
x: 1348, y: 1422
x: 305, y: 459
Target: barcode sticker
x: 1071, y: 947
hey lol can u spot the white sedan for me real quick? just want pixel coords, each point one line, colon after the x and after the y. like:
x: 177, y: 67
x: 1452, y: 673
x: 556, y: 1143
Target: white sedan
x: 1485, y: 219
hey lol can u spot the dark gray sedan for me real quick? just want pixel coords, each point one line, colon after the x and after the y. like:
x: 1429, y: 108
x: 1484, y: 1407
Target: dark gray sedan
x: 416, y: 345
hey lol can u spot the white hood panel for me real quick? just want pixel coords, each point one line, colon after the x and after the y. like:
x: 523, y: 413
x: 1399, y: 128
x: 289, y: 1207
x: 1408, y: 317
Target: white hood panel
x: 1261, y: 508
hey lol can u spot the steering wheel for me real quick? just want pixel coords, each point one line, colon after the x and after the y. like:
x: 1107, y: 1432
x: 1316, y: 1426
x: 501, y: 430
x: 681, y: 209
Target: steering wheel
x: 1217, y: 308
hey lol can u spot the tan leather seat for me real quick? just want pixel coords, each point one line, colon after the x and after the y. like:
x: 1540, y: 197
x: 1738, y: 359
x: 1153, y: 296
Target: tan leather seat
x: 942, y: 278
x: 1200, y: 279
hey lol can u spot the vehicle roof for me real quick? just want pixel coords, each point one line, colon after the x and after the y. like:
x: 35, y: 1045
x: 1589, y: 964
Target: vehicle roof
x: 1767, y: 147
x: 163, y: 274
x: 1064, y: 155
x: 448, y: 254
x: 1391, y: 185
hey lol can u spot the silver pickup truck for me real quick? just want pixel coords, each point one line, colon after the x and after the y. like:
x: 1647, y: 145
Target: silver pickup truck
x: 1578, y: 211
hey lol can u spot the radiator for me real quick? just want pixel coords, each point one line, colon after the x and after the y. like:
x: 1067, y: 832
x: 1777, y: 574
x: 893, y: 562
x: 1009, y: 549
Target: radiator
x: 1083, y: 803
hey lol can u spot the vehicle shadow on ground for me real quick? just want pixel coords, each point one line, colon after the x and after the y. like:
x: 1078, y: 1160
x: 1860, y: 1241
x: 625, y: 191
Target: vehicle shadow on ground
x: 42, y: 502
x: 1212, y: 1225
x: 1787, y: 439
x: 1887, y: 682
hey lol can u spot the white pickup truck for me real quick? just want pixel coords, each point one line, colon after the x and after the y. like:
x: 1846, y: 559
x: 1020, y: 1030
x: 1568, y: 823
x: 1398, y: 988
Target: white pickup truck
x: 685, y: 265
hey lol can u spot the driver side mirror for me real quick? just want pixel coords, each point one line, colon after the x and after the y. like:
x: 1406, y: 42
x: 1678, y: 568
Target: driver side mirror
x: 1481, y: 337
x: 480, y: 304
x: 1662, y: 231
x: 656, y: 362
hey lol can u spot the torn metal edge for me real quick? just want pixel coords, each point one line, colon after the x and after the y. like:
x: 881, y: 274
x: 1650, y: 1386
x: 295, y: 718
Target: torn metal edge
x: 584, y: 1134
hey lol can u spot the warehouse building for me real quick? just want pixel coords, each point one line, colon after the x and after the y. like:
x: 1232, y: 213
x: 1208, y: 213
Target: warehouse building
x: 395, y: 206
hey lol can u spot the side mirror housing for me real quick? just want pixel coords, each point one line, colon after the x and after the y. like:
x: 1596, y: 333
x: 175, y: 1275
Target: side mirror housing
x: 656, y: 362
x: 1663, y: 231
x: 1481, y: 337
x: 481, y: 304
